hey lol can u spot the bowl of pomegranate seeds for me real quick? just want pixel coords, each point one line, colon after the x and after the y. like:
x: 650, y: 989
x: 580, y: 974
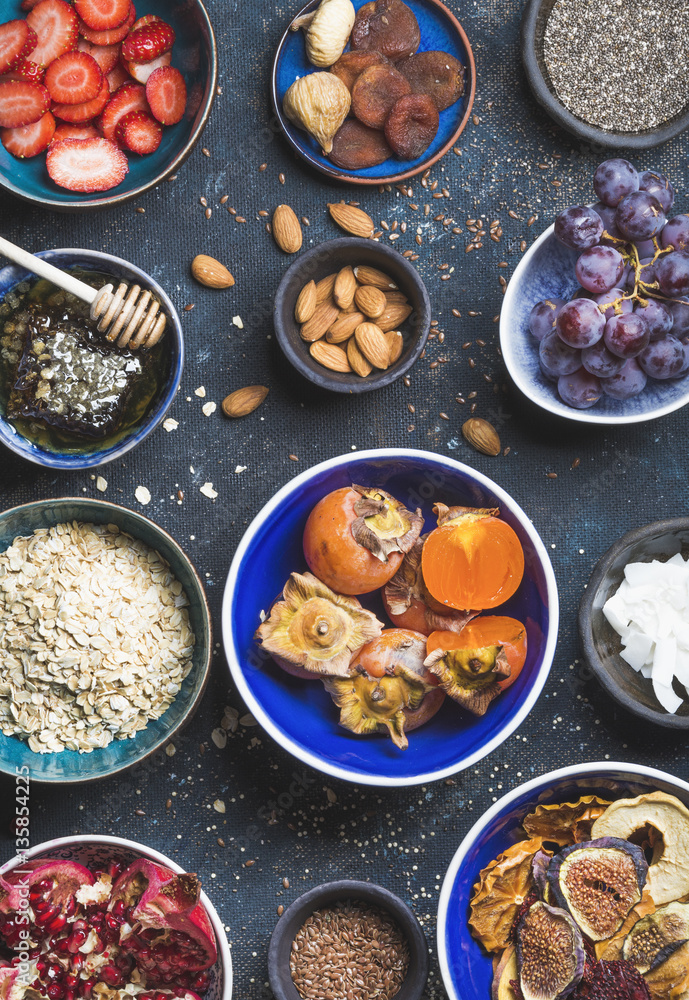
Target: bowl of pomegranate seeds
x: 100, y: 102
x: 90, y: 916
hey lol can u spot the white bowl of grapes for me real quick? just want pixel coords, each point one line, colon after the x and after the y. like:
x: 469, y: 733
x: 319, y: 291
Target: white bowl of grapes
x: 595, y: 322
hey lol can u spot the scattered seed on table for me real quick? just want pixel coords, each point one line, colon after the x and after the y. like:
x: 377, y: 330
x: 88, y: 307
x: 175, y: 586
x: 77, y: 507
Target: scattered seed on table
x: 443, y: 416
x: 433, y: 364
x: 522, y: 246
x: 576, y: 463
x: 188, y: 307
x: 472, y: 395
x: 264, y: 166
x: 285, y: 883
x: 411, y: 407
x: 208, y: 213
x: 281, y: 178
x: 293, y: 458
x: 220, y: 842
x: 139, y: 812
x: 281, y: 910
x: 411, y: 427
x: 206, y: 152
x: 231, y: 210
x: 552, y: 475
x: 141, y: 211
x: 472, y: 408
x: 168, y: 804
x: 225, y: 198
x: 305, y: 220
x: 407, y: 381
x: 203, y: 201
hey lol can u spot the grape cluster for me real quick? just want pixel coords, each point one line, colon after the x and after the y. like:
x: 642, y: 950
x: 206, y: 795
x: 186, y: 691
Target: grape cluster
x: 629, y: 320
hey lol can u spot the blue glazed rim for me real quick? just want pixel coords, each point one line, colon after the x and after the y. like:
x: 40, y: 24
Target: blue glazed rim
x: 158, y: 732
x: 96, y: 260
x: 302, y: 144
x: 589, y: 778
x: 235, y: 657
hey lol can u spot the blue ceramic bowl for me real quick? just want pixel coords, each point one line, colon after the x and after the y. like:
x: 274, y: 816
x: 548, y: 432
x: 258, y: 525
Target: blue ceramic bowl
x: 70, y: 766
x: 466, y: 969
x: 300, y: 715
x: 121, y: 270
x: 196, y: 56
x: 440, y: 31
x: 547, y: 271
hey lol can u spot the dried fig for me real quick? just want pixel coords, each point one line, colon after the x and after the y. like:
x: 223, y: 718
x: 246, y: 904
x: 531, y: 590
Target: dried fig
x: 376, y: 90
x: 352, y: 64
x: 437, y: 74
x: 357, y: 146
x: 388, y: 26
x: 412, y: 125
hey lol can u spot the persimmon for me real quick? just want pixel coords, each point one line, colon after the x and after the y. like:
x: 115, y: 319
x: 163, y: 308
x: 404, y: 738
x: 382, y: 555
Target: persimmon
x: 473, y: 559
x: 488, y: 630
x: 355, y: 538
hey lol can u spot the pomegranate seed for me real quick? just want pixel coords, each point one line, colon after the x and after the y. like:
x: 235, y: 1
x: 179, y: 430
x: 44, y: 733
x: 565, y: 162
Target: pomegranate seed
x: 87, y: 986
x: 45, y: 917
x: 41, y: 905
x: 114, y: 869
x: 71, y: 980
x: 41, y: 966
x: 111, y: 975
x: 58, y: 924
x: 44, y: 885
x: 70, y: 995
x: 70, y: 906
x: 55, y: 992
x: 201, y: 982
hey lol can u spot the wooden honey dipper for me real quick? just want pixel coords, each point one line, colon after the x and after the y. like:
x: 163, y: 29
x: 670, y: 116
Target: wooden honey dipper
x: 130, y: 315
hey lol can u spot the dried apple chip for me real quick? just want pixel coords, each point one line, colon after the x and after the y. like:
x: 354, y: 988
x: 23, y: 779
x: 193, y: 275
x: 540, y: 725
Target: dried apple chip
x: 565, y: 823
x: 500, y: 892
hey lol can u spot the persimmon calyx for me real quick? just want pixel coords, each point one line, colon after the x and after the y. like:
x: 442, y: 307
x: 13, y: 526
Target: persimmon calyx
x: 315, y: 628
x: 374, y: 704
x: 407, y: 586
x: 470, y: 676
x: 384, y: 525
x: 447, y: 514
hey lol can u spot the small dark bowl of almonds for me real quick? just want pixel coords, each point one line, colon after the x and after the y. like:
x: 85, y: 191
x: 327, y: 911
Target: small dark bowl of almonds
x: 348, y: 940
x: 352, y: 315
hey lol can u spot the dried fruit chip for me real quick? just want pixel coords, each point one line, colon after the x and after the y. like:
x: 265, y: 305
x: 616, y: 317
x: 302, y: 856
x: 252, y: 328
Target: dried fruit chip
x: 671, y: 977
x: 357, y: 146
x: 375, y: 92
x: 550, y: 953
x: 437, y: 74
x: 503, y: 886
x: 655, y: 937
x: 412, y: 125
x: 565, y: 823
x: 352, y: 64
x: 388, y: 26
x: 612, y: 948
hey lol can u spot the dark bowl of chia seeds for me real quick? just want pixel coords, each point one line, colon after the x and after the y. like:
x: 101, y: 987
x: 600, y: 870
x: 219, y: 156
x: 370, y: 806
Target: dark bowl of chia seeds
x: 580, y: 57
x: 348, y: 940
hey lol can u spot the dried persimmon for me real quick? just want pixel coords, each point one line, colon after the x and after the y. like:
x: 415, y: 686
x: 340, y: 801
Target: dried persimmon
x: 388, y: 26
x: 375, y: 92
x: 437, y: 74
x: 352, y: 64
x: 356, y: 146
x: 412, y: 125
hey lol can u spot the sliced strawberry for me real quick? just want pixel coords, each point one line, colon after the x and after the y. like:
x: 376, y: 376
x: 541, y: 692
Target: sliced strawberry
x: 28, y: 70
x: 146, y: 19
x: 148, y: 42
x: 130, y: 97
x: 30, y: 140
x: 78, y: 114
x: 102, y: 15
x: 118, y: 76
x: 139, y: 133
x: 106, y: 56
x: 111, y: 37
x: 74, y: 78
x: 141, y: 71
x: 22, y: 103
x: 56, y: 25
x: 86, y: 165
x: 166, y: 92
x: 66, y: 131
x: 29, y: 4
x: 17, y: 40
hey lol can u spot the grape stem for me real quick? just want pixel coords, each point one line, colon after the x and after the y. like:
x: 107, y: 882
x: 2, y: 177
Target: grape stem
x: 642, y: 290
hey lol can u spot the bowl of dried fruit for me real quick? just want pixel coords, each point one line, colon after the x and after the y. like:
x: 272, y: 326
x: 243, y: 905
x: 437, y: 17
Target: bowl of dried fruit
x: 89, y: 916
x: 73, y: 399
x: 572, y: 885
x: 345, y: 626
x: 116, y: 608
x: 351, y: 314
x: 373, y: 93
x: 97, y: 107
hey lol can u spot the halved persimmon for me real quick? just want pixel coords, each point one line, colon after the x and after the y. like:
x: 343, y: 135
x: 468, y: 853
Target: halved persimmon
x: 473, y: 559
x: 487, y: 631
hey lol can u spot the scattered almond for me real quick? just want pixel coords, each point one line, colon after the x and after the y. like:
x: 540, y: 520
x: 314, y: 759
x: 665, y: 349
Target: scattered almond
x: 482, y: 436
x: 287, y: 229
x: 371, y: 342
x: 330, y: 356
x: 244, y: 401
x: 306, y: 303
x: 325, y: 287
x: 353, y: 220
x: 393, y: 316
x: 344, y: 327
x: 210, y: 272
x: 323, y: 318
x: 344, y: 288
x: 395, y: 343
x: 370, y: 301
x: 366, y: 275
x: 356, y: 359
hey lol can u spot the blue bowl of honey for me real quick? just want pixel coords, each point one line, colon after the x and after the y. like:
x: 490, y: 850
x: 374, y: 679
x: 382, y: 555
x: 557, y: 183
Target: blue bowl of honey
x: 68, y: 398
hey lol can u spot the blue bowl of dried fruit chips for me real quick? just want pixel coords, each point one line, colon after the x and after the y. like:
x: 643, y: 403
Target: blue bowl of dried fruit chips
x: 195, y: 55
x: 109, y: 626
x: 440, y: 31
x: 59, y: 435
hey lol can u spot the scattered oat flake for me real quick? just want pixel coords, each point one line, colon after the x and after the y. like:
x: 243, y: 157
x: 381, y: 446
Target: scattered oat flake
x: 219, y: 806
x: 208, y: 491
x: 240, y: 468
x: 170, y: 424
x: 101, y: 484
x: 248, y: 720
x: 171, y: 749
x: 142, y: 495
x: 201, y: 391
x: 237, y: 321
x: 209, y: 408
x: 219, y: 737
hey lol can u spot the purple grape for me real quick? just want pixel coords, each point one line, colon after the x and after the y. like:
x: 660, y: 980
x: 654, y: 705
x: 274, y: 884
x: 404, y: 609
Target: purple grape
x: 685, y: 366
x: 607, y: 214
x: 579, y: 324
x: 599, y: 361
x: 580, y: 390
x: 614, y: 179
x: 680, y: 318
x: 628, y: 382
x: 614, y: 295
x: 648, y: 273
x: 645, y: 248
x: 663, y: 359
x: 627, y: 335
x: 543, y: 316
x: 672, y: 272
x: 676, y: 233
x: 556, y: 357
x: 579, y: 227
x: 599, y: 269
x: 659, y: 186
x: 658, y: 318
x: 639, y: 216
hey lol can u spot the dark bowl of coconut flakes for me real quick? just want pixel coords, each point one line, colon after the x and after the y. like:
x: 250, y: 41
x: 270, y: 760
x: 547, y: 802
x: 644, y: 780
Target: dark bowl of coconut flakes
x: 603, y: 74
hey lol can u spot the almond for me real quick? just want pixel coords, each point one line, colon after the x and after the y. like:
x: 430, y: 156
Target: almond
x: 343, y: 327
x: 482, y: 436
x: 325, y: 287
x: 323, y: 318
x: 366, y: 275
x: 306, y: 303
x: 395, y: 297
x: 345, y: 287
x: 330, y: 356
x: 370, y: 301
x: 371, y: 342
x: 395, y: 343
x: 356, y: 359
x: 210, y: 272
x: 287, y: 229
x: 244, y: 401
x: 393, y: 316
x: 353, y: 220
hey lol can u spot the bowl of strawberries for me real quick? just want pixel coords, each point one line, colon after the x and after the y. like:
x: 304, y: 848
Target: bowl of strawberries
x: 100, y: 101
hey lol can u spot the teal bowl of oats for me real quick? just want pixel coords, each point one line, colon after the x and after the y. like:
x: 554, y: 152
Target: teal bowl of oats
x: 105, y: 640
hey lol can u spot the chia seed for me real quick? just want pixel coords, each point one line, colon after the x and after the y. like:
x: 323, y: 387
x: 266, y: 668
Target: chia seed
x: 619, y: 64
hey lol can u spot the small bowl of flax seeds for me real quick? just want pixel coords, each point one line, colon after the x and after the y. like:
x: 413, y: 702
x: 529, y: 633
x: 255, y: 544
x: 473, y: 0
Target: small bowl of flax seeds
x: 348, y: 941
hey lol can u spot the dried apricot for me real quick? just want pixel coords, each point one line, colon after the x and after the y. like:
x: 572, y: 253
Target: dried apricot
x: 352, y: 64
x: 437, y: 74
x: 412, y: 125
x: 377, y: 89
x: 357, y: 146
x: 388, y: 26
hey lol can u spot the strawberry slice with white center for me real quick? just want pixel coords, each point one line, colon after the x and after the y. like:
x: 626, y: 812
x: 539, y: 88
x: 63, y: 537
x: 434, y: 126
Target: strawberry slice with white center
x: 166, y: 93
x: 29, y: 140
x: 130, y: 97
x: 142, y: 71
x: 139, y: 133
x: 74, y: 78
x: 102, y: 15
x: 17, y: 40
x: 108, y: 37
x: 117, y: 77
x: 22, y: 103
x: 148, y: 42
x: 86, y: 165
x: 66, y: 131
x: 56, y: 25
x: 28, y: 70
x: 105, y: 55
x: 79, y: 114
